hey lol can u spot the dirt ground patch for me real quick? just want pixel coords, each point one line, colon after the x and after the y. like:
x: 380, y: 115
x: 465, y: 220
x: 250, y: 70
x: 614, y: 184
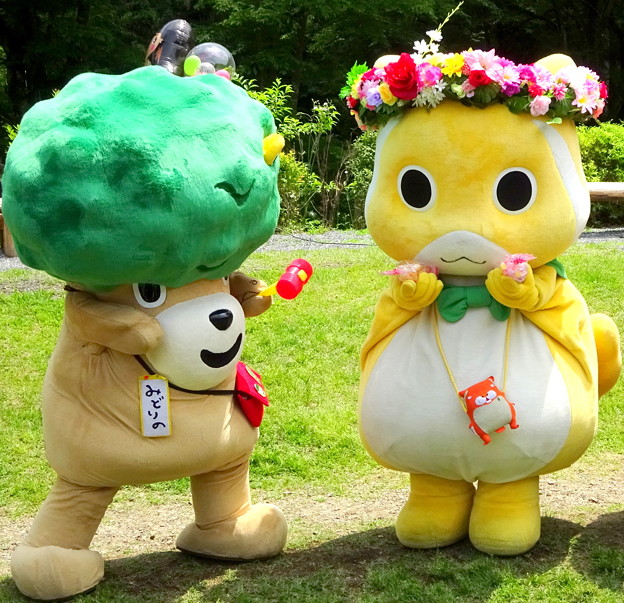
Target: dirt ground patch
x: 136, y: 526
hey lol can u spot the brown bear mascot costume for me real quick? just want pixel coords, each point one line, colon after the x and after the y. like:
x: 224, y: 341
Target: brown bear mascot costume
x: 145, y: 192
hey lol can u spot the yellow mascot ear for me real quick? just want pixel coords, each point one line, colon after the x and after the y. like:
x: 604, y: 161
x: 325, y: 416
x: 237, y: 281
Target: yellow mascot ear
x: 384, y: 60
x: 555, y: 62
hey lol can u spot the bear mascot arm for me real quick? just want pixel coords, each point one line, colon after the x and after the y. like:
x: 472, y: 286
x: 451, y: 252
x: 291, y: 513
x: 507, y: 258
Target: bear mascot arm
x: 116, y: 326
x: 130, y: 331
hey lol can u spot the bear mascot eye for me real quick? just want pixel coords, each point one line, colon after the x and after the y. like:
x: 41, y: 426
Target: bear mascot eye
x: 149, y: 295
x: 417, y: 187
x: 515, y: 190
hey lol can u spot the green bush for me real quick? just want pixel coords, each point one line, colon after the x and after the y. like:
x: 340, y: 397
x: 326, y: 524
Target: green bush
x: 602, y: 151
x: 359, y: 173
x: 298, y: 185
x: 310, y: 192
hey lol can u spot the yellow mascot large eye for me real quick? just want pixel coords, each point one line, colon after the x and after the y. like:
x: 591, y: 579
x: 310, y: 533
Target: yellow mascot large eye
x: 515, y: 190
x: 417, y: 187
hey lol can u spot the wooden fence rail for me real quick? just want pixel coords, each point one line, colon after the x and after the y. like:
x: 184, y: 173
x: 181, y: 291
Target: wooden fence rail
x: 598, y: 191
x: 606, y: 191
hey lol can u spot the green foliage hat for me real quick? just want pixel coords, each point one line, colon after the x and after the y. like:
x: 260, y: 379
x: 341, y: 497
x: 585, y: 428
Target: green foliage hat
x: 142, y: 177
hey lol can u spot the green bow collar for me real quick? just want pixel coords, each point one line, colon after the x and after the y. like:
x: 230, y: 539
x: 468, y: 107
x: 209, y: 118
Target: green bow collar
x: 454, y: 301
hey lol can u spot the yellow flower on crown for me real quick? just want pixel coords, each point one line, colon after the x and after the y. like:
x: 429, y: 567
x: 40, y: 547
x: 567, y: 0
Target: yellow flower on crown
x: 354, y: 89
x: 452, y: 64
x: 436, y: 59
x: 386, y: 96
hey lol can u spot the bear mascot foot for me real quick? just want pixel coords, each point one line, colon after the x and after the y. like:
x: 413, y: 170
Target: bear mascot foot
x: 49, y: 573
x: 257, y: 534
x: 436, y: 514
x: 506, y: 518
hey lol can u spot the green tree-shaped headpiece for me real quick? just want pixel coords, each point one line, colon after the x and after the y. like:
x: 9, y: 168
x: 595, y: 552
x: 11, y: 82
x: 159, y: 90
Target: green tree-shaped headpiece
x: 141, y: 177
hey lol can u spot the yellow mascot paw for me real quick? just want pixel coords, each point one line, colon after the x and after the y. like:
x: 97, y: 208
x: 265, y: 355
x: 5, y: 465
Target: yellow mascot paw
x: 259, y: 533
x: 49, y: 573
x: 511, y: 293
x: 416, y: 295
x: 436, y: 514
x: 505, y: 518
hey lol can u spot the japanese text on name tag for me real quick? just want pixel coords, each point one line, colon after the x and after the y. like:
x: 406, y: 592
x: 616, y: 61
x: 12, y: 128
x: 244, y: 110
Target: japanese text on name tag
x: 155, y: 408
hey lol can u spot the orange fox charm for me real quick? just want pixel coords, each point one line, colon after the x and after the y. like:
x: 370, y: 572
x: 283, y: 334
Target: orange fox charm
x: 488, y: 408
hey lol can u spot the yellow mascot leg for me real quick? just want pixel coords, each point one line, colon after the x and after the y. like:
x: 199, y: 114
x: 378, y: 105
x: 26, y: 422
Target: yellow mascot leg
x: 505, y: 518
x: 227, y: 525
x: 54, y: 561
x: 436, y: 513
x: 608, y: 349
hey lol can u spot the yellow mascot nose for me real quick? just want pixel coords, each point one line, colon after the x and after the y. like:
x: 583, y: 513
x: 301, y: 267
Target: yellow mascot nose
x: 271, y: 147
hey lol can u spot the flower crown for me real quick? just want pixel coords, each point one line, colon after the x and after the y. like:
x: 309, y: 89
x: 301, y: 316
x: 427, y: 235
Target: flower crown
x: 474, y: 77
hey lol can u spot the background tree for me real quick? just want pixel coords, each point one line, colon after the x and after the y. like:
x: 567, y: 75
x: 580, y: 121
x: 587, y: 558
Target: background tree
x: 308, y: 45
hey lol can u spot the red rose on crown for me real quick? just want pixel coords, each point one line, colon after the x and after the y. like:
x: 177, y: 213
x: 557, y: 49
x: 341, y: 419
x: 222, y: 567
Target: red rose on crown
x: 478, y: 77
x: 402, y: 77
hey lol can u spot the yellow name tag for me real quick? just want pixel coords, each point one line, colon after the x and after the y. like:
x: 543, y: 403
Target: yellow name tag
x: 155, y: 407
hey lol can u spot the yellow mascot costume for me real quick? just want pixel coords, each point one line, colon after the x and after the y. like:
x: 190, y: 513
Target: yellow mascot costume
x: 483, y: 367
x: 145, y: 192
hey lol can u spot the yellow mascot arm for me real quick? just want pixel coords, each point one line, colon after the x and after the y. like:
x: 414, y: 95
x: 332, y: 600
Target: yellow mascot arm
x: 565, y: 318
x: 245, y: 289
x: 534, y: 293
x: 114, y: 326
x: 396, y: 306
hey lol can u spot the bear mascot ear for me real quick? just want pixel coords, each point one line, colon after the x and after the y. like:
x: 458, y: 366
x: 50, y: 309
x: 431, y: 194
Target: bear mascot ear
x: 245, y: 289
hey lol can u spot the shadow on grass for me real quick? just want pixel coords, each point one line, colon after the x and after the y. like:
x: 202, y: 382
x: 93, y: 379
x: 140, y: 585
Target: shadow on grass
x: 363, y: 566
x: 598, y: 554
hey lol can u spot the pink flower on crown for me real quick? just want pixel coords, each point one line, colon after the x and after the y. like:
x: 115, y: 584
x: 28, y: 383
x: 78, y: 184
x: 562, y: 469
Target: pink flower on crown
x: 486, y: 61
x: 372, y: 75
x: 540, y: 105
x: 587, y: 103
x: 559, y: 91
x: 468, y: 89
x: 508, y: 78
x: 527, y: 74
x: 565, y: 74
x: 428, y: 75
x: 510, y: 88
x: 543, y: 77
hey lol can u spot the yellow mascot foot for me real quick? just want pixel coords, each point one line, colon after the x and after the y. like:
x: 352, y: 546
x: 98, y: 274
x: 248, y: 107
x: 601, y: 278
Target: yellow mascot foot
x: 49, y: 573
x: 505, y: 518
x: 436, y: 514
x: 259, y: 533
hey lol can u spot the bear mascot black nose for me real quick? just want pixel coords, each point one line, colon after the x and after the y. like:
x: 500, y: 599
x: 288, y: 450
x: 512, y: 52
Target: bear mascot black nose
x: 221, y: 319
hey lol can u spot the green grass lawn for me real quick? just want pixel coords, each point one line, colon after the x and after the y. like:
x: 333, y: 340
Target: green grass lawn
x: 307, y: 351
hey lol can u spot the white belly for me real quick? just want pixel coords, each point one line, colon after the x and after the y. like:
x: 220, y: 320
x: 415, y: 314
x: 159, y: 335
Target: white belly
x: 411, y: 417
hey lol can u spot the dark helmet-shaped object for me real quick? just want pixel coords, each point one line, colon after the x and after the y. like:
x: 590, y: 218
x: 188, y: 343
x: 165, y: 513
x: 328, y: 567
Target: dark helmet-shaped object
x: 170, y: 46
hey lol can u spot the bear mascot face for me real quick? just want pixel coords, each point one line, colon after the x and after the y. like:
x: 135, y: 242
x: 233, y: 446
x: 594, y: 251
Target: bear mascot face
x: 483, y: 365
x: 145, y: 192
